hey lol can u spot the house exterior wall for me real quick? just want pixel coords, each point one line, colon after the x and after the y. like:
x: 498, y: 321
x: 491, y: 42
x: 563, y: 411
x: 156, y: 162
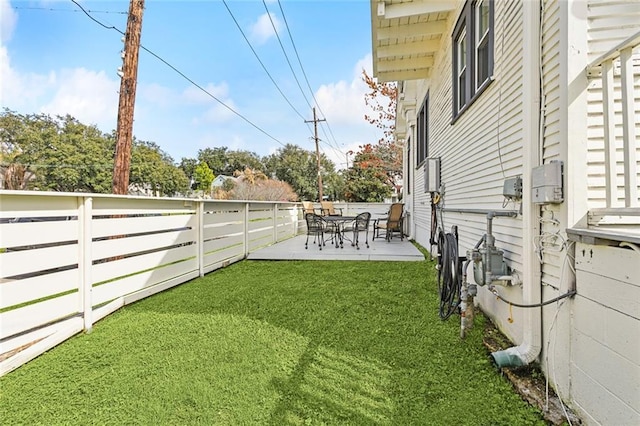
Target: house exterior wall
x: 606, y: 311
x: 605, y: 352
x: 583, y: 337
x: 478, y: 151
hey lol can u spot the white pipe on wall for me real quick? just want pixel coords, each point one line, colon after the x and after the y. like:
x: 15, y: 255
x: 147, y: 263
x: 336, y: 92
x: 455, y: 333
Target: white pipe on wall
x: 531, y: 345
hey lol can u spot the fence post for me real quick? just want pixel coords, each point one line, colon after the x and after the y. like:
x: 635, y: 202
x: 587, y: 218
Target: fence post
x: 275, y: 223
x: 85, y: 217
x: 246, y: 229
x: 200, y: 237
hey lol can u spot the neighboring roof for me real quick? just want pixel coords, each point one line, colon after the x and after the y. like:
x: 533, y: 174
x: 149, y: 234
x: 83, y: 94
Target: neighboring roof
x: 220, y: 179
x: 406, y: 35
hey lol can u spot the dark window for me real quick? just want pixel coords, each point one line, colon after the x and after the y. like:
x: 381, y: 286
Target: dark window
x: 422, y: 137
x: 407, y: 180
x: 472, y: 53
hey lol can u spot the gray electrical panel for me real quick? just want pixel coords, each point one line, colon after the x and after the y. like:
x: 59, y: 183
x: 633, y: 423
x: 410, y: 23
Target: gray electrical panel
x: 432, y: 175
x: 546, y: 183
x: 512, y: 188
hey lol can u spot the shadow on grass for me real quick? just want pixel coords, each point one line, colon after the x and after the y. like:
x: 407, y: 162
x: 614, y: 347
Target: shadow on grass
x: 273, y: 343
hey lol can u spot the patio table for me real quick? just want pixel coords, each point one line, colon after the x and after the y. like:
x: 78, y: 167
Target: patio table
x: 339, y: 222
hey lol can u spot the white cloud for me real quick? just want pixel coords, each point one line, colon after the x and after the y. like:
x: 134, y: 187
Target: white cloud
x: 194, y: 95
x: 8, y: 19
x: 157, y: 95
x: 21, y: 91
x: 343, y: 102
x: 262, y: 29
x: 217, y: 113
x: 365, y: 63
x: 89, y: 96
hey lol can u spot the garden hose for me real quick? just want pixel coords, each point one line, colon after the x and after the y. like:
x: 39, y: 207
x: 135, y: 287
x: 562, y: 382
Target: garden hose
x: 449, y: 280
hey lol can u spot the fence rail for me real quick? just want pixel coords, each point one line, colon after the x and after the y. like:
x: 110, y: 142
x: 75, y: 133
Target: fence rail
x: 68, y: 260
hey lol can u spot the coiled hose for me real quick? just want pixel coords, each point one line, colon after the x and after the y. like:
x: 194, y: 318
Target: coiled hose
x: 449, y: 280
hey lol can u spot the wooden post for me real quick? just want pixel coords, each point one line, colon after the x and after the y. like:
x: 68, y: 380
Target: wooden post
x: 315, y: 129
x: 124, y: 131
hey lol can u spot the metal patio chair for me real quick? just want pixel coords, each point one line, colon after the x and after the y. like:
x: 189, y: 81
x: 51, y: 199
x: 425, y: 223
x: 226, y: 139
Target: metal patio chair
x: 316, y: 226
x: 360, y: 223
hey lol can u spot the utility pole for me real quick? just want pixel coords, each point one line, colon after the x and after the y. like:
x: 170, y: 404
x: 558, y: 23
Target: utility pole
x: 128, y: 82
x: 315, y: 131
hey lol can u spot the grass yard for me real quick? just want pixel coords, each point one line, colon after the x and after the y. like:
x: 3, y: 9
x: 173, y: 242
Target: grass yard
x: 282, y: 343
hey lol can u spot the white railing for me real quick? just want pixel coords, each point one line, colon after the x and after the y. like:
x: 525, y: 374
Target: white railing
x: 68, y: 260
x: 624, y: 118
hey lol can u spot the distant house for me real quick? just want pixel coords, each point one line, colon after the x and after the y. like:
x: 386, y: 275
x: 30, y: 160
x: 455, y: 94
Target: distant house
x: 220, y: 180
x: 520, y: 123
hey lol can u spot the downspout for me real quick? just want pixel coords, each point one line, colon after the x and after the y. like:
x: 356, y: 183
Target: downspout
x: 531, y: 345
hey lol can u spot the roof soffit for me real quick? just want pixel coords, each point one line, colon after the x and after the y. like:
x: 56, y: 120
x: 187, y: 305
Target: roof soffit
x: 406, y: 36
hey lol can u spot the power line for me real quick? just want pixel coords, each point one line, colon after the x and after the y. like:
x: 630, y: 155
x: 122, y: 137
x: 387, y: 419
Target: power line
x: 62, y: 166
x: 212, y: 96
x: 50, y: 9
x: 259, y: 60
x: 86, y: 12
x: 185, y: 77
x: 284, y: 18
x: 273, y: 25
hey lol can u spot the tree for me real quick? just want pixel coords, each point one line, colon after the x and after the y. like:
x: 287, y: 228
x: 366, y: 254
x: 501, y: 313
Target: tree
x: 203, y: 176
x: 238, y: 161
x: 188, y: 166
x: 224, y: 162
x: 153, y: 169
x: 382, y: 99
x: 255, y: 185
x: 62, y: 154
x: 366, y: 180
x: 299, y: 169
x: 14, y: 160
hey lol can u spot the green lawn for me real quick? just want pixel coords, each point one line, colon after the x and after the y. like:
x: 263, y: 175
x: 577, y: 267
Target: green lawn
x: 282, y: 343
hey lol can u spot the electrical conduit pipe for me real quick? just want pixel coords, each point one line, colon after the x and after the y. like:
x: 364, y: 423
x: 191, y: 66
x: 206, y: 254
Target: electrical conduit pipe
x: 529, y: 349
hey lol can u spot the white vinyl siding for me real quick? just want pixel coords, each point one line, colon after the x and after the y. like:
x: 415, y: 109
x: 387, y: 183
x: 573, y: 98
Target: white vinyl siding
x: 553, y: 136
x: 481, y: 148
x: 484, y: 145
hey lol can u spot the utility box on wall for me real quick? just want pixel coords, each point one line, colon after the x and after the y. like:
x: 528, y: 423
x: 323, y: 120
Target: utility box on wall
x: 546, y: 183
x: 432, y: 175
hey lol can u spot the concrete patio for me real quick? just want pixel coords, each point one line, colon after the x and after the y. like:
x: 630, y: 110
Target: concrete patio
x: 380, y: 249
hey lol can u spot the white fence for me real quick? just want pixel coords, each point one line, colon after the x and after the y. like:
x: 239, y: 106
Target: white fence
x: 68, y: 260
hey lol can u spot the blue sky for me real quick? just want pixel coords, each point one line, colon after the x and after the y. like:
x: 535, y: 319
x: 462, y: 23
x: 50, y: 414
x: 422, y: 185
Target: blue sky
x: 56, y: 60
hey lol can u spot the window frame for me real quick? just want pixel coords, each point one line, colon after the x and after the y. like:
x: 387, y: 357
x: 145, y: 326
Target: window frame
x: 467, y: 58
x: 407, y: 185
x: 422, y: 132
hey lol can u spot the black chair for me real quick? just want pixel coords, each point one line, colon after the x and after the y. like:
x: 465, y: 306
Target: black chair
x: 360, y: 223
x: 316, y: 226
